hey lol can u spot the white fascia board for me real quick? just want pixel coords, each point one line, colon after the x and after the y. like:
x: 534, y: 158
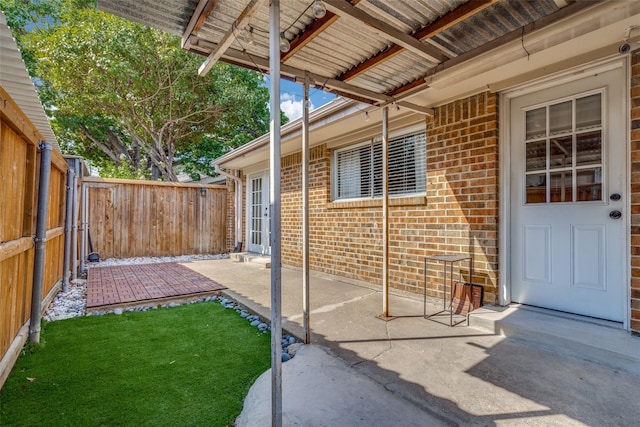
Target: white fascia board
x: 322, y: 116
x: 581, y: 35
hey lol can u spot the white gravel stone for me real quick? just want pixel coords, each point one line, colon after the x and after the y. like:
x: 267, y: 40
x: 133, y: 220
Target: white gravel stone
x: 148, y: 260
x: 72, y: 303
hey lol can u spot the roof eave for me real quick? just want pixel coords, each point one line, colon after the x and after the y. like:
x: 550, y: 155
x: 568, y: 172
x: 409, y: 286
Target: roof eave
x: 288, y: 130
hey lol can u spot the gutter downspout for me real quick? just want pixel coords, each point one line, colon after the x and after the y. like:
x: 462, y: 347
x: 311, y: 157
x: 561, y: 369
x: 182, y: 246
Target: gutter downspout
x: 79, y: 209
x: 40, y: 242
x: 238, y: 206
x: 66, y: 273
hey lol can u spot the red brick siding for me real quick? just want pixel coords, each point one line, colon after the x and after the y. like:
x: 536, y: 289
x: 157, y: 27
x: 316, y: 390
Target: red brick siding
x: 458, y: 215
x: 635, y: 192
x: 291, y: 190
x: 462, y: 185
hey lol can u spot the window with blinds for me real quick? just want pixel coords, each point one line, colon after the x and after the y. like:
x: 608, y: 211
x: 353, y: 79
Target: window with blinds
x: 358, y: 169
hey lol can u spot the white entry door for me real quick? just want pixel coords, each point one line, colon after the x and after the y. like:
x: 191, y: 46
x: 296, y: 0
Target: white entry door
x: 568, y: 198
x: 258, y: 213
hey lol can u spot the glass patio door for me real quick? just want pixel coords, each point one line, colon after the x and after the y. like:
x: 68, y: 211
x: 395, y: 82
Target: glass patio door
x: 258, y: 214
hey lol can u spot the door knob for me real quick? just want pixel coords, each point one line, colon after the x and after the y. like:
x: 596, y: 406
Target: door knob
x: 615, y: 214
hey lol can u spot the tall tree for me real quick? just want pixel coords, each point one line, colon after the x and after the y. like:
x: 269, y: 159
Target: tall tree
x: 129, y: 99
x: 24, y: 15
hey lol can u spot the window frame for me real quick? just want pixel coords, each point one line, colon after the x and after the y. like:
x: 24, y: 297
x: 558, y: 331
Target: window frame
x: 416, y: 130
x: 574, y: 168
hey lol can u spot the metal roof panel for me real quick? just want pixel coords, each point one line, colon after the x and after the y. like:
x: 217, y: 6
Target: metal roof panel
x: 15, y: 80
x: 347, y: 42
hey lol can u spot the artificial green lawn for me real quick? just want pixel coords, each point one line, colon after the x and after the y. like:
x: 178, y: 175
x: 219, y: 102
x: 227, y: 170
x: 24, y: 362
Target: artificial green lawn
x: 188, y: 365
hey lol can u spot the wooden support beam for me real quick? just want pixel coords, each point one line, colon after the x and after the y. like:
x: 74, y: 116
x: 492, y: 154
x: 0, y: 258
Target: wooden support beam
x: 240, y: 58
x: 347, y: 11
x: 452, y: 18
x: 411, y: 87
x: 439, y: 25
x: 318, y: 26
x: 229, y: 36
x: 311, y: 32
x: 200, y: 15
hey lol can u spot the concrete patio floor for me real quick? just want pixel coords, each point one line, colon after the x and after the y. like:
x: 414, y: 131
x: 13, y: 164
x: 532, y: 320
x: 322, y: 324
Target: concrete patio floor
x: 551, y: 371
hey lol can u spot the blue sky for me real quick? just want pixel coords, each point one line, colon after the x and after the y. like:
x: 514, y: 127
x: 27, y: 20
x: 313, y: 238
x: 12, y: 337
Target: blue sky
x: 291, y: 98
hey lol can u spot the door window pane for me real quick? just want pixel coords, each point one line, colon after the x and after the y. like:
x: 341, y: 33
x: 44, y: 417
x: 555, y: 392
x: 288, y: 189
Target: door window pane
x: 589, y: 184
x: 537, y: 155
x: 589, y: 148
x: 256, y: 211
x: 561, y: 186
x: 560, y: 152
x: 560, y: 118
x: 589, y: 112
x: 564, y: 144
x: 536, y: 123
x: 537, y: 188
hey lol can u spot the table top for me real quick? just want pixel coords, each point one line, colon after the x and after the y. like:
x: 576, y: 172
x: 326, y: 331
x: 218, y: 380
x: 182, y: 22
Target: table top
x: 449, y: 258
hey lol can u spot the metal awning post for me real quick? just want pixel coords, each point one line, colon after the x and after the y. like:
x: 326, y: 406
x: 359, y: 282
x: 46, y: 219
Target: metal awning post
x: 274, y: 204
x: 305, y: 210
x: 385, y: 213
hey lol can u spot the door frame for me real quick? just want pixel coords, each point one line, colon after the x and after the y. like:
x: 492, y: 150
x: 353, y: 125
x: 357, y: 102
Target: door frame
x: 264, y: 174
x: 504, y: 228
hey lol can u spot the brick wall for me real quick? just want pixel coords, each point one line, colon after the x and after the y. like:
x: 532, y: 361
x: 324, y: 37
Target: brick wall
x: 462, y: 184
x: 458, y: 215
x: 291, y: 191
x: 635, y: 192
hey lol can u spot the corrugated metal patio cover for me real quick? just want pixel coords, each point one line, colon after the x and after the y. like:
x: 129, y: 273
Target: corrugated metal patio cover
x: 18, y: 84
x: 375, y: 51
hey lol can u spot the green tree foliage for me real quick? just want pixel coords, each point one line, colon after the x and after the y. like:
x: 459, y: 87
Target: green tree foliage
x: 24, y: 15
x: 127, y: 98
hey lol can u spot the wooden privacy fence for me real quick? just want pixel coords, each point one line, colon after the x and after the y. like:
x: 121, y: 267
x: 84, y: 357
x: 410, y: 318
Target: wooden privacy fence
x: 19, y: 169
x: 130, y: 218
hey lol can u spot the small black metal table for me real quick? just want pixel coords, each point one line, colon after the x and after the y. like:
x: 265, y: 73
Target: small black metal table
x: 448, y: 261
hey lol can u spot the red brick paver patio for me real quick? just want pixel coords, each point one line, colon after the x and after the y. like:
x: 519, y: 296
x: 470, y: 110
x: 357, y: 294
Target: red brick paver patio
x: 130, y: 285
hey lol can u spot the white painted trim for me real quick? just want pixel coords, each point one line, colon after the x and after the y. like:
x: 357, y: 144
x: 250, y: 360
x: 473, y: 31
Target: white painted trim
x: 323, y: 115
x: 264, y: 174
x: 247, y: 210
x: 504, y: 229
x: 627, y: 218
x: 565, y: 76
x: 397, y: 124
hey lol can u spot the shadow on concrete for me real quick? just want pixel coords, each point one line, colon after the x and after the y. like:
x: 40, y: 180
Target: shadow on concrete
x: 460, y: 375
